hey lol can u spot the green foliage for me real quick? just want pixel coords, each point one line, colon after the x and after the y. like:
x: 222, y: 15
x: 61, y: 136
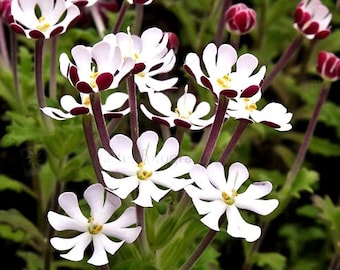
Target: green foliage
x: 270, y: 260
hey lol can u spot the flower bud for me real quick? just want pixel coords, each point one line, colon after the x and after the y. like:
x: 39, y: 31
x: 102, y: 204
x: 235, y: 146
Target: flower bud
x: 173, y: 42
x: 240, y: 19
x: 328, y: 66
x: 312, y: 18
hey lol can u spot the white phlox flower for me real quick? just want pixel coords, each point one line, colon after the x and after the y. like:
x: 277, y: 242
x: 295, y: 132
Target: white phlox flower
x: 95, y: 228
x: 274, y: 114
x: 148, y: 174
x: 96, y: 68
x: 112, y: 107
x: 213, y: 196
x: 220, y: 77
x: 151, y: 56
x: 52, y: 18
x: 187, y: 113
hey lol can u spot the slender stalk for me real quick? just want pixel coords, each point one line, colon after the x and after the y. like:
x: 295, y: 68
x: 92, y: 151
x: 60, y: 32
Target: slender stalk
x: 100, y: 121
x: 233, y: 141
x: 335, y: 263
x: 215, y: 130
x: 199, y: 251
x: 220, y: 26
x: 53, y: 68
x: 285, y: 57
x: 39, y: 80
x: 91, y: 145
x: 308, y: 135
x: 137, y: 24
x: 3, y: 45
x: 134, y: 126
x: 98, y: 21
x: 121, y: 16
x: 14, y: 65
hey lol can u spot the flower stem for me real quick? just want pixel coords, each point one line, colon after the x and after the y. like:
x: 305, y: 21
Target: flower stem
x: 91, y: 145
x: 100, y: 121
x: 120, y: 18
x: 199, y: 251
x: 14, y: 64
x: 215, y: 130
x: 288, y: 53
x: 98, y: 21
x: 137, y: 24
x: 53, y: 68
x: 39, y: 81
x: 308, y: 135
x: 3, y: 45
x: 233, y: 141
x: 134, y: 127
x: 220, y: 26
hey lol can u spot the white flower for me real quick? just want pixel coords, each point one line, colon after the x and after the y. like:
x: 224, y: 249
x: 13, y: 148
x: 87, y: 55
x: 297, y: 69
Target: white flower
x: 94, y: 228
x: 220, y: 78
x: 215, y: 196
x: 273, y: 114
x: 54, y: 17
x: 110, y: 108
x: 151, y: 55
x: 96, y: 68
x: 186, y: 114
x: 147, y: 174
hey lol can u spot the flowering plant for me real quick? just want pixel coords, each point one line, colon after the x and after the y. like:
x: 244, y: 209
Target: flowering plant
x: 157, y: 135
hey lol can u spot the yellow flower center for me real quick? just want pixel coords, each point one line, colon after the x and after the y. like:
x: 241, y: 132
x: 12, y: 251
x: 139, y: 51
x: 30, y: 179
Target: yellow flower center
x: 143, y: 174
x: 87, y: 101
x: 94, y: 228
x: 184, y: 115
x: 229, y: 199
x: 250, y: 106
x: 93, y: 76
x: 43, y: 25
x: 224, y: 81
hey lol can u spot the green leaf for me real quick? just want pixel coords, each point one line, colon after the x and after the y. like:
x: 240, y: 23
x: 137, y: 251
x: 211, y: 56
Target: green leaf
x: 304, y: 181
x: 19, y: 222
x: 7, y: 183
x: 330, y: 214
x: 270, y: 260
x: 33, y: 260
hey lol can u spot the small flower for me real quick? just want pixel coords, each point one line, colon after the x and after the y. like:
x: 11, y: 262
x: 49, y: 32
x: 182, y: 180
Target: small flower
x: 151, y: 55
x: 186, y: 114
x: 328, y: 66
x: 274, y: 114
x: 240, y: 19
x: 69, y: 104
x: 221, y: 79
x: 42, y: 19
x: 215, y: 196
x: 96, y: 68
x: 312, y: 18
x: 94, y: 228
x: 147, y: 174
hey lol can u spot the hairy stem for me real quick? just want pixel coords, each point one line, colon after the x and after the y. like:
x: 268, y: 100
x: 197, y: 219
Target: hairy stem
x: 38, y: 63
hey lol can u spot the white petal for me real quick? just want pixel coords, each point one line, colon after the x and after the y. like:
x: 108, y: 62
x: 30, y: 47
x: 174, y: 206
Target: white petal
x: 69, y: 203
x: 192, y: 62
x: 112, y: 164
x: 56, y: 114
x: 121, y: 187
x: 216, y: 175
x: 238, y: 227
x: 237, y: 175
x: 114, y: 101
x: 148, y: 190
x: 246, y: 64
x: 68, y: 103
x: 77, y: 245
x: 99, y: 256
x: 64, y: 63
x: 209, y: 58
x: 262, y: 207
x: 167, y: 153
x: 161, y: 103
x: 217, y: 209
x: 62, y: 223
x: 147, y: 145
x: 226, y: 58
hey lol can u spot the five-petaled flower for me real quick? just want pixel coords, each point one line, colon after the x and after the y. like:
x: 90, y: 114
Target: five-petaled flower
x: 187, y: 114
x: 94, y: 228
x: 151, y: 55
x: 328, y: 66
x: 96, y: 68
x: 274, y: 114
x: 146, y: 174
x: 112, y: 107
x: 221, y: 79
x: 214, y: 195
x: 312, y: 18
x: 240, y: 19
x: 42, y: 19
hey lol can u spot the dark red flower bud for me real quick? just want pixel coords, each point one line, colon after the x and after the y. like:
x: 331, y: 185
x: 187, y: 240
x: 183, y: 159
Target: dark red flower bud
x: 312, y: 18
x: 240, y: 19
x: 173, y: 41
x: 328, y: 66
